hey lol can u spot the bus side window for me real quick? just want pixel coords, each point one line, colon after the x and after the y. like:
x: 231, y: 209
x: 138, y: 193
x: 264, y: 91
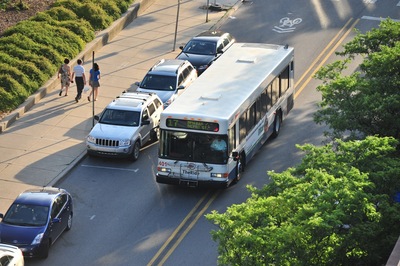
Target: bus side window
x: 285, y: 79
x: 275, y: 91
x: 232, y: 139
x: 242, y: 127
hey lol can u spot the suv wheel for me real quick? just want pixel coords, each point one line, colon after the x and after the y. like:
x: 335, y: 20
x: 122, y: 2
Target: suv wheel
x: 135, y: 152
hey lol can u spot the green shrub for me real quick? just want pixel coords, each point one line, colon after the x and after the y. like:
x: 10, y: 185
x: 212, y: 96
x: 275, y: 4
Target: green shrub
x: 61, y: 13
x: 111, y: 8
x: 32, y: 51
x: 23, y: 42
x: 7, y: 102
x: 29, y: 85
x: 96, y: 16
x: 80, y: 27
x: 124, y: 5
x: 43, y: 17
x: 14, y: 93
x: 89, y: 11
x: 60, y: 39
x: 42, y: 63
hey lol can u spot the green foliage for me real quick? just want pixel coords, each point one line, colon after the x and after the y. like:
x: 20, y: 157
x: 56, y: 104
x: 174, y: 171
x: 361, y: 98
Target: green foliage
x: 111, y: 8
x: 12, y: 93
x: 61, y: 13
x: 34, y: 48
x: 24, y: 42
x: 30, y: 69
x: 325, y: 211
x: 59, y: 39
x: 42, y: 63
x: 366, y: 102
x: 89, y: 11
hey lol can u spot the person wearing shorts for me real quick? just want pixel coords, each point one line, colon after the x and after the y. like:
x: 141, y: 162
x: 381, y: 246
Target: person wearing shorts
x: 94, y: 76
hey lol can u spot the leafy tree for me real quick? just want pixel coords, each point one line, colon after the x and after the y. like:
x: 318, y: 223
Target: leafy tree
x: 366, y: 102
x: 325, y: 211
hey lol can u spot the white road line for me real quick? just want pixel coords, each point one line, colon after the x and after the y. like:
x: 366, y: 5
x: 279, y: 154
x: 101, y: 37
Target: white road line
x: 110, y: 168
x: 376, y: 18
x: 91, y: 218
x: 398, y: 4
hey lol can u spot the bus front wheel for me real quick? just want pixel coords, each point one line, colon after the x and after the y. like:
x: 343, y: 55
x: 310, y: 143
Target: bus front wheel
x: 277, y: 124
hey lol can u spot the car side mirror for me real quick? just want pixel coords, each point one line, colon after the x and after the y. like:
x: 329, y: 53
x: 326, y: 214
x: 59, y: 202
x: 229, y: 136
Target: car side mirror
x: 1, y: 215
x: 137, y: 83
x: 181, y: 47
x: 145, y: 122
x: 56, y: 220
x: 235, y: 155
x: 181, y: 87
x: 96, y: 117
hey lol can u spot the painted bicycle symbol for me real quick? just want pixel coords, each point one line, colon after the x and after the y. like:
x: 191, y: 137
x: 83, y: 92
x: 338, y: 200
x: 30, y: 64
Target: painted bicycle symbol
x: 287, y: 25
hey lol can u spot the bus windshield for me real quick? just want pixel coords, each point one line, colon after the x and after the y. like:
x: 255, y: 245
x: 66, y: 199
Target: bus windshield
x: 194, y: 147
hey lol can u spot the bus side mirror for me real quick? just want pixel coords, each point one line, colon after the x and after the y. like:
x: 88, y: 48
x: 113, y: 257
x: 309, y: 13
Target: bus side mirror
x: 235, y: 155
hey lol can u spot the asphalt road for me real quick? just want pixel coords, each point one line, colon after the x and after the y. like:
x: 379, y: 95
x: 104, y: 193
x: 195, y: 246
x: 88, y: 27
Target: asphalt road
x: 123, y: 217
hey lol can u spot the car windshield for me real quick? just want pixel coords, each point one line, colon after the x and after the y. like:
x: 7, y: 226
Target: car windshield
x: 120, y: 118
x: 159, y: 82
x: 195, y: 147
x: 26, y: 215
x: 200, y: 47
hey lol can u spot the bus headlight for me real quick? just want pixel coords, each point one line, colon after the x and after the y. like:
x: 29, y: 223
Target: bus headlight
x: 164, y: 169
x: 219, y: 175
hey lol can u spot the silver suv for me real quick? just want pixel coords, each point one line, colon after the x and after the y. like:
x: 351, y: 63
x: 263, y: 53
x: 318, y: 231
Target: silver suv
x: 168, y: 78
x: 126, y: 124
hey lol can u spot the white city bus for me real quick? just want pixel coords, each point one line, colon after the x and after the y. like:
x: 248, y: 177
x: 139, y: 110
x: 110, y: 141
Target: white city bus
x: 238, y: 102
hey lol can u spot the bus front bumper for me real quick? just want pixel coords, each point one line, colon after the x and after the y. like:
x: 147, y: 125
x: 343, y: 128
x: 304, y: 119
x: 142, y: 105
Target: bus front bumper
x: 165, y: 179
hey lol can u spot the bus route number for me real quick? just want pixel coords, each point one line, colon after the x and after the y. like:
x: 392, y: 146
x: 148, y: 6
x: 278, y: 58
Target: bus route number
x: 189, y: 124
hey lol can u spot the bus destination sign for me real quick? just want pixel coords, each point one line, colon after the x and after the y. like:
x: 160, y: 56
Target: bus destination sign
x: 190, y: 124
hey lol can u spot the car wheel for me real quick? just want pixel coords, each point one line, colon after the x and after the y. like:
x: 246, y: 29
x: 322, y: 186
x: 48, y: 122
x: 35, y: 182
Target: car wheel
x: 277, y: 124
x: 69, y: 222
x: 135, y: 151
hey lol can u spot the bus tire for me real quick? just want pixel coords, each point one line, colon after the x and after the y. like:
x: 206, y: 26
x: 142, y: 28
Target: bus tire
x: 238, y: 172
x: 277, y: 124
x: 135, y: 151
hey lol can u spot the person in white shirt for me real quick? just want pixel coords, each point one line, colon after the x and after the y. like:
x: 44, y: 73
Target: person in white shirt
x: 218, y: 144
x: 80, y: 79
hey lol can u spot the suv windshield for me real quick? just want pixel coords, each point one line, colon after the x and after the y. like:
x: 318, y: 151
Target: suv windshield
x: 200, y: 47
x: 159, y: 82
x: 120, y: 117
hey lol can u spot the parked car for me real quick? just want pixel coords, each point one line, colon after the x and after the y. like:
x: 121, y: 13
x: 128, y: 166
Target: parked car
x: 125, y: 125
x: 36, y: 219
x: 10, y: 256
x: 168, y: 78
x: 205, y: 48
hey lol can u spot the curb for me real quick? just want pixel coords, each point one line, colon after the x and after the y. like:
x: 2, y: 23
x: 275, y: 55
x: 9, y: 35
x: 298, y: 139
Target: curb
x: 100, y: 40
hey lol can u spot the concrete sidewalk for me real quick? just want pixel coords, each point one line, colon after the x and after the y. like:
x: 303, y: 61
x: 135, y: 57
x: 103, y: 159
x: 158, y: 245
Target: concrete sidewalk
x: 47, y: 140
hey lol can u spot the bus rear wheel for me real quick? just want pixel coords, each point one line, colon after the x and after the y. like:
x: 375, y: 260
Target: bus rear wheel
x: 277, y: 124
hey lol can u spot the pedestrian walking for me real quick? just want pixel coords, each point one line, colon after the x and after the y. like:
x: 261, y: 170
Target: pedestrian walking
x: 80, y: 79
x: 65, y: 73
x: 94, y: 76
